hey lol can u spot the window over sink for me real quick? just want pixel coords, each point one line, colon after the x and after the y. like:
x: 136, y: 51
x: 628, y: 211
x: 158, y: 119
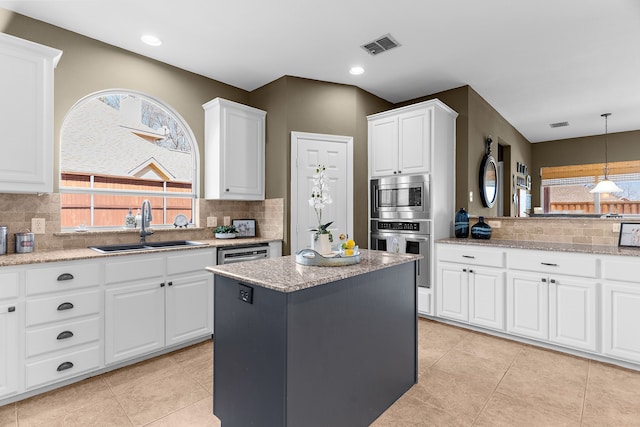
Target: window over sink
x: 119, y: 148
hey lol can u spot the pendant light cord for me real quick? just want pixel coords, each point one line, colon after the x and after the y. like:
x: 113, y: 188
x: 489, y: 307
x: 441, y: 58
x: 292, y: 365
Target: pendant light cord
x: 606, y: 132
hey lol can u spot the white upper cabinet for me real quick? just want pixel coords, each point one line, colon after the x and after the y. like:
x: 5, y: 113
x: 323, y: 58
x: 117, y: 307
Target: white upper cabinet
x: 234, y: 151
x: 402, y: 141
x: 26, y: 107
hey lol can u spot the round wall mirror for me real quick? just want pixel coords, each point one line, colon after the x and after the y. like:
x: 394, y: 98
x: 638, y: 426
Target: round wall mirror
x: 488, y: 178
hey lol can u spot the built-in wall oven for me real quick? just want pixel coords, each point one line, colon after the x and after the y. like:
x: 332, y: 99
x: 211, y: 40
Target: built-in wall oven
x: 398, y: 197
x: 405, y: 236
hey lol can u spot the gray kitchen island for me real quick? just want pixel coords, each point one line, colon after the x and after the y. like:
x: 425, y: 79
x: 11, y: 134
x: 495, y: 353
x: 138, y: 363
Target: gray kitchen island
x: 299, y: 345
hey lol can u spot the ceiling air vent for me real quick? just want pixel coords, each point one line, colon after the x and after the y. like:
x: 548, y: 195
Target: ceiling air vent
x: 559, y: 124
x: 381, y: 44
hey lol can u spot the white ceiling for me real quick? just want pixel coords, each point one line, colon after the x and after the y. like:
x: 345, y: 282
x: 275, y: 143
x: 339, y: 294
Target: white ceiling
x: 535, y: 61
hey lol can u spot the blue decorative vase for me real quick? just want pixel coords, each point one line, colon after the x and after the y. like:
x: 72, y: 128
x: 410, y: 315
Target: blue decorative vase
x: 481, y: 230
x: 461, y: 225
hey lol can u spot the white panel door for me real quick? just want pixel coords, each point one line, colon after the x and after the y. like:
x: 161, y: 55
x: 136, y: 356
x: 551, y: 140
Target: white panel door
x: 336, y: 154
x: 452, y: 292
x: 572, y: 312
x: 528, y: 305
x: 189, y: 305
x: 486, y: 297
x: 414, y: 142
x: 621, y: 321
x: 134, y: 320
x: 383, y: 137
x: 9, y: 348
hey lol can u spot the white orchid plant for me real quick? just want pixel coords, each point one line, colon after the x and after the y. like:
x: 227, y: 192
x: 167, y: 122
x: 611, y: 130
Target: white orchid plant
x: 319, y: 199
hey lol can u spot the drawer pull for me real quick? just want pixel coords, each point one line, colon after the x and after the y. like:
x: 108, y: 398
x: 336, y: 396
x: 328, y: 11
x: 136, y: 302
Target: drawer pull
x: 549, y: 264
x: 65, y: 306
x: 64, y: 335
x: 65, y: 276
x: 464, y: 270
x: 11, y: 309
x: 162, y: 285
x: 64, y: 366
x: 170, y: 283
x: 544, y: 280
x: 468, y: 256
x: 552, y: 281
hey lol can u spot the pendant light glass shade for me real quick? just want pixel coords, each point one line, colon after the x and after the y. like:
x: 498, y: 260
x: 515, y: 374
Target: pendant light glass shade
x: 606, y: 185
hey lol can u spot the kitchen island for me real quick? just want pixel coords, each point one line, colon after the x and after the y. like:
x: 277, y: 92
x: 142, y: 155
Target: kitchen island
x: 302, y: 345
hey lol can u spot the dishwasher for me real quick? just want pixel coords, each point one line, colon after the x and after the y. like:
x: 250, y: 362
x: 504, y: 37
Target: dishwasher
x: 232, y: 254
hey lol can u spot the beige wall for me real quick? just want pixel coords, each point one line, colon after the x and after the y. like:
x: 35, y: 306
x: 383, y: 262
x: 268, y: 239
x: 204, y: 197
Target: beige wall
x: 88, y: 66
x: 621, y: 146
x: 304, y: 105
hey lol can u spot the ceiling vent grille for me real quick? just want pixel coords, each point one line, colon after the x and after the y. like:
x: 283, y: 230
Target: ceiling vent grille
x: 559, y: 124
x: 381, y: 44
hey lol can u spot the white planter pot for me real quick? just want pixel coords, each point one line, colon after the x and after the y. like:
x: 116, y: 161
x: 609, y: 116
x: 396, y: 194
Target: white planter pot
x: 322, y: 245
x: 225, y: 235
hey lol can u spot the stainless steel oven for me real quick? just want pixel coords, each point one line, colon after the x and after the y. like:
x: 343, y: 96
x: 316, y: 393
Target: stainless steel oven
x: 405, y: 236
x: 404, y: 196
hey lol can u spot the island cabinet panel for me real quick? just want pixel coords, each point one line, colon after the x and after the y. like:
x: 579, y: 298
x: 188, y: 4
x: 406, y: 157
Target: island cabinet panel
x: 337, y: 354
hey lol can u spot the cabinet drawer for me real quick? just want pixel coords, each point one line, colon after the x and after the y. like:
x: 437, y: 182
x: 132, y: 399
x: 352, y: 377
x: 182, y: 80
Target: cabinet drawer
x: 8, y: 285
x: 62, y: 278
x: 62, y: 307
x: 190, y: 261
x: 471, y: 255
x: 62, y: 367
x: 60, y: 337
x: 624, y: 269
x: 582, y: 265
x: 134, y: 267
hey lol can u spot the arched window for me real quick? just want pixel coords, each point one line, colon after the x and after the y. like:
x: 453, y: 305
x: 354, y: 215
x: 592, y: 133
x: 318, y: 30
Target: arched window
x: 118, y: 148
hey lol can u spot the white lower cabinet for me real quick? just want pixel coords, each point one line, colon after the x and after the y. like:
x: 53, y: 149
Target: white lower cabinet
x: 471, y: 294
x: 9, y: 348
x: 527, y: 305
x: 425, y: 301
x: 155, y: 301
x: 621, y: 320
x: 573, y: 312
x: 134, y: 320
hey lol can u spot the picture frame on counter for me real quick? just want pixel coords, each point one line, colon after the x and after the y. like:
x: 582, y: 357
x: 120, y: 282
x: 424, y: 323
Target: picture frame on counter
x: 245, y: 227
x: 629, y: 235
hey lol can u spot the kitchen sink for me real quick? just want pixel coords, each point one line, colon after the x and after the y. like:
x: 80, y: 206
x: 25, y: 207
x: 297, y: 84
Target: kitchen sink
x: 109, y: 249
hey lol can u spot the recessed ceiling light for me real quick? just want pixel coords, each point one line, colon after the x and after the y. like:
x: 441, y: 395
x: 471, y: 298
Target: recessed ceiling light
x: 356, y: 71
x: 151, y: 40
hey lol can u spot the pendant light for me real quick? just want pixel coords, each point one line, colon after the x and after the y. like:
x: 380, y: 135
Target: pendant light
x: 606, y: 185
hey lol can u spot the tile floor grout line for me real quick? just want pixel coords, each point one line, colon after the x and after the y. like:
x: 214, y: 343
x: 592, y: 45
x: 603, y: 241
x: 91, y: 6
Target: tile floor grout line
x: 496, y: 387
x: 584, y: 398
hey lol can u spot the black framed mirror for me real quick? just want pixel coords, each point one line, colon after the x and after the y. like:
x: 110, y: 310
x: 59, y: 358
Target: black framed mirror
x: 488, y: 177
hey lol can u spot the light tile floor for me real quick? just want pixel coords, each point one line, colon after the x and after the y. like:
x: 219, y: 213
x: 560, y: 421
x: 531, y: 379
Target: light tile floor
x: 465, y: 379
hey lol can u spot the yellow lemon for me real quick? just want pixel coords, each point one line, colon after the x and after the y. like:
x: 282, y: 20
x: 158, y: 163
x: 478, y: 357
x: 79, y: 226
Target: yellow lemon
x: 350, y: 244
x: 348, y: 252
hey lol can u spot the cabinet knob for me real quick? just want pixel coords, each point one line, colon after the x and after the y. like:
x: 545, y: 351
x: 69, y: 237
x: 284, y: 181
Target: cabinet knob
x: 552, y: 280
x: 464, y: 270
x: 65, y: 306
x: 11, y: 309
x: 470, y: 271
x: 395, y: 172
x: 170, y: 283
x: 399, y: 171
x: 64, y: 335
x: 544, y: 280
x: 162, y: 285
x: 226, y: 189
x: 64, y: 366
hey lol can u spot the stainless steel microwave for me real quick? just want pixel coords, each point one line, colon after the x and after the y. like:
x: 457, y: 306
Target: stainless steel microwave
x: 400, y: 197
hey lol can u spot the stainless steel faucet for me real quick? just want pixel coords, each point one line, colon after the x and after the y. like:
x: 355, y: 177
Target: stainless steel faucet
x: 146, y: 219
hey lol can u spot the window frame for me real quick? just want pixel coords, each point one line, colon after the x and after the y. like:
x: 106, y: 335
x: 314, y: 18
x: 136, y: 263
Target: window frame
x: 91, y: 191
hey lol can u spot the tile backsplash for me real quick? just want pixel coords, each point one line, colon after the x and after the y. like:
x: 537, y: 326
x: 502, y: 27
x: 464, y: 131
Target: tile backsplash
x: 594, y: 231
x: 16, y: 211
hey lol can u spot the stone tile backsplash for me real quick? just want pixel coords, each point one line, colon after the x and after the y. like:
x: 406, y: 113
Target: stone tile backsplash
x: 16, y: 211
x: 594, y: 231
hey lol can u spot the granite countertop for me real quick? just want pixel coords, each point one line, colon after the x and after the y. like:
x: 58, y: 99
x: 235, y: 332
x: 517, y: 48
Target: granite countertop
x: 283, y: 274
x: 546, y: 246
x: 86, y: 253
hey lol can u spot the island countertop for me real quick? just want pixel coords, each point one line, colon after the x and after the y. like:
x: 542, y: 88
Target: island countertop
x: 283, y: 274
